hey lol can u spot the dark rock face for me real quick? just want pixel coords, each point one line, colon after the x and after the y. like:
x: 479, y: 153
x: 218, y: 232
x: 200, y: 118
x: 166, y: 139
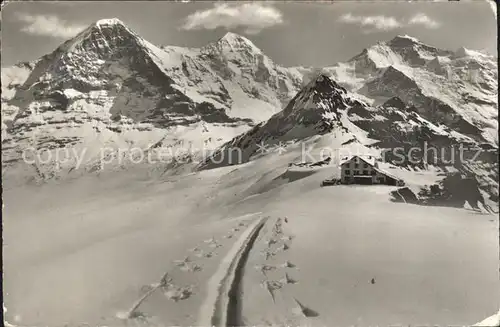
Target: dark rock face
x: 409, y: 49
x: 453, y: 191
x: 210, y: 114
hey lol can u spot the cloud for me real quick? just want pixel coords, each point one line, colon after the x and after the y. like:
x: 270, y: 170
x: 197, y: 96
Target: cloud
x: 424, y: 20
x: 254, y: 17
x: 48, y: 25
x: 387, y: 23
x: 383, y: 23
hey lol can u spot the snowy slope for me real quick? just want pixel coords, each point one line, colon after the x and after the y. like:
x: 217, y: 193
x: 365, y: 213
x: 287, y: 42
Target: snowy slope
x: 87, y: 251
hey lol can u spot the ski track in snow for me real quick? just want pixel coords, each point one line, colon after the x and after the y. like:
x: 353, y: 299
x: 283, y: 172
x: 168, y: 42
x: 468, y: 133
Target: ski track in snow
x: 278, y: 278
x: 207, y: 249
x: 219, y: 308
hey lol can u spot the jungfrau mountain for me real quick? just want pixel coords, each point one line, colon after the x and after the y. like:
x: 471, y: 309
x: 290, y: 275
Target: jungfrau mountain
x: 109, y: 88
x: 457, y: 89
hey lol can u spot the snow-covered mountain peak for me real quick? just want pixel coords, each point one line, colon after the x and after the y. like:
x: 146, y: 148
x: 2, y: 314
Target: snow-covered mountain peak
x: 322, y: 96
x: 231, y: 37
x: 103, y: 54
x: 464, y: 52
x: 232, y: 43
x: 323, y: 84
x: 102, y: 36
x: 375, y: 57
x: 404, y: 40
x: 402, y: 50
x: 109, y: 21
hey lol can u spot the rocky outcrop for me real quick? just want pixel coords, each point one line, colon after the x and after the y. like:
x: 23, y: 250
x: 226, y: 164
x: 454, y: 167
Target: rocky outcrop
x: 455, y: 190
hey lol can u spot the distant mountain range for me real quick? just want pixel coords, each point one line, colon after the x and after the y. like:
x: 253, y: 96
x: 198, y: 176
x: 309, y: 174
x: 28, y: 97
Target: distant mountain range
x: 110, y: 88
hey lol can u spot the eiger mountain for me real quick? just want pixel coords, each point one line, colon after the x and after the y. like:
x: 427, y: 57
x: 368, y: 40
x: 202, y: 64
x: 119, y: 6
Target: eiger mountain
x: 108, y: 87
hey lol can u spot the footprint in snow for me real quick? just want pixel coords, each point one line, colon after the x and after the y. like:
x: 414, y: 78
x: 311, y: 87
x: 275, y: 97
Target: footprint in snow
x: 195, y: 249
x: 182, y: 262
x: 284, y: 247
x: 265, y: 268
x: 274, y: 285
x: 165, y: 280
x: 302, y: 310
x: 288, y: 280
x: 267, y: 254
x: 215, y: 245
x: 277, y: 230
x: 271, y: 287
x: 136, y: 315
x: 271, y: 242
x: 203, y: 254
x: 191, y: 267
x: 176, y: 293
x: 287, y: 264
x: 206, y: 254
x: 147, y: 288
x: 210, y: 240
x: 286, y: 238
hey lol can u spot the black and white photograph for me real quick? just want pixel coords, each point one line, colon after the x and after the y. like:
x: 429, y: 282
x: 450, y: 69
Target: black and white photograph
x: 266, y: 163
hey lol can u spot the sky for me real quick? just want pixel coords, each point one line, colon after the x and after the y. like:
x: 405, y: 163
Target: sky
x: 291, y: 33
